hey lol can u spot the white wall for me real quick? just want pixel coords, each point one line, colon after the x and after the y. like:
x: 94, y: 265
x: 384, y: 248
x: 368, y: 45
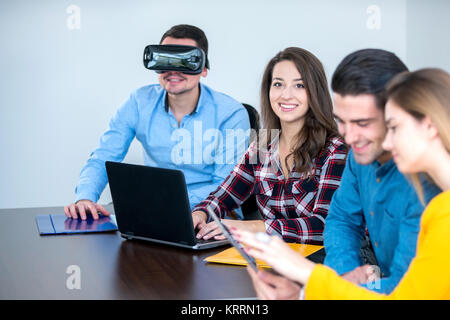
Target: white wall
x: 428, y: 28
x: 60, y: 85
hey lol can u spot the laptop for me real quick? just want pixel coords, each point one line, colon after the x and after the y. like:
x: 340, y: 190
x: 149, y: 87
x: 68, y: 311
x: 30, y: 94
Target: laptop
x: 152, y: 204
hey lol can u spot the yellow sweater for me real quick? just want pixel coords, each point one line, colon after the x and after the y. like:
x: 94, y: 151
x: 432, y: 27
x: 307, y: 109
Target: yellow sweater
x: 428, y: 276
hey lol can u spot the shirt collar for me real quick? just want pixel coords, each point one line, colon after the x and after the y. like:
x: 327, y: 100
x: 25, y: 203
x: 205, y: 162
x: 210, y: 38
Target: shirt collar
x: 383, y: 169
x: 273, y: 160
x: 273, y: 155
x: 199, y: 102
x: 272, y: 148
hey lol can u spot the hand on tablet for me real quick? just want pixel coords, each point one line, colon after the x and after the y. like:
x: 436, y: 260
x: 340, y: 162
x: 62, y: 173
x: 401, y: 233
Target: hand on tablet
x: 273, y: 287
x: 84, y: 207
x: 274, y: 251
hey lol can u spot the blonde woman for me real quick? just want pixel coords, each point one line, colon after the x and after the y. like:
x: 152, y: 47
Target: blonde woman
x: 418, y: 120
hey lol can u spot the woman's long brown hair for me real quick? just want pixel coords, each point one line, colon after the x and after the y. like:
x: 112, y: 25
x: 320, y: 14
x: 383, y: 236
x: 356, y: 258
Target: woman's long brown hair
x: 319, y: 125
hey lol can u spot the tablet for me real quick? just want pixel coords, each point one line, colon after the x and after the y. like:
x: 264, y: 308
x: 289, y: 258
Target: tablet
x: 49, y: 224
x: 250, y: 260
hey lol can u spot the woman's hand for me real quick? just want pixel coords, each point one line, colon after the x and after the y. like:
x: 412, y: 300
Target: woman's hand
x: 277, y: 254
x: 272, y: 287
x: 209, y: 230
x: 198, y: 219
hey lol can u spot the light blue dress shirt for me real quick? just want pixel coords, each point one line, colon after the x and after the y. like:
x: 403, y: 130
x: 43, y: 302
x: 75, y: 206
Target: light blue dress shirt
x: 206, y: 145
x: 381, y: 198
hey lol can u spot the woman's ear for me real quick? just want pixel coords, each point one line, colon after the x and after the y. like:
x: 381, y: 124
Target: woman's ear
x: 430, y: 128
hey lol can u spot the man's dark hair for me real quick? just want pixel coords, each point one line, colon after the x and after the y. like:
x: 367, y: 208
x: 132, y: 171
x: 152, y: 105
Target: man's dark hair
x: 191, y: 32
x: 367, y: 71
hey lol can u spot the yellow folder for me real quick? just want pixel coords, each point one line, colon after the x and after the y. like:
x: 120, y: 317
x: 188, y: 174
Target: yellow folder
x: 232, y: 256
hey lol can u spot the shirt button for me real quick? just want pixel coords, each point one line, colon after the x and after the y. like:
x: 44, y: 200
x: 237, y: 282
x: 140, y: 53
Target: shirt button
x: 378, y: 180
x: 371, y: 213
x: 376, y: 244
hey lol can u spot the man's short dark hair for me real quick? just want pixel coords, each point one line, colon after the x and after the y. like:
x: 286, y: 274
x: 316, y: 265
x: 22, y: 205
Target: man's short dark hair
x: 191, y: 32
x: 367, y: 71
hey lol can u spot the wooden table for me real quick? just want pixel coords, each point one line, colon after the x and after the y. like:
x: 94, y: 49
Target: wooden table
x: 109, y: 267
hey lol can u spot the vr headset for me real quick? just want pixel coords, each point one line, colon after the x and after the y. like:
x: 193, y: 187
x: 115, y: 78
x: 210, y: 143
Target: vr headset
x: 169, y: 57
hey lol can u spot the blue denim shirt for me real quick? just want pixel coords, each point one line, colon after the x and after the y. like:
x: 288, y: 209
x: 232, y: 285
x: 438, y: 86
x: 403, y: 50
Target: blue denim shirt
x: 198, y: 146
x: 381, y: 198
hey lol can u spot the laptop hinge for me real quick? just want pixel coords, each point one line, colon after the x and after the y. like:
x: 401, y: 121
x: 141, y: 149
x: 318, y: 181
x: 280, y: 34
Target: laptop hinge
x: 128, y: 235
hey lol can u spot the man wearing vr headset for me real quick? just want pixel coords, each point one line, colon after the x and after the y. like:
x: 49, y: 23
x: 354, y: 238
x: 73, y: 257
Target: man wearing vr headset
x: 159, y: 115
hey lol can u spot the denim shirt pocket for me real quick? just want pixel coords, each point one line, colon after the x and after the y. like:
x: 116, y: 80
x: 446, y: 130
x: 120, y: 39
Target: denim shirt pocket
x: 390, y: 226
x: 388, y: 237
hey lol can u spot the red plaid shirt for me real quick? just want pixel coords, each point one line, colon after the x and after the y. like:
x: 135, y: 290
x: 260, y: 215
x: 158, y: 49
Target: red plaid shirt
x: 295, y: 208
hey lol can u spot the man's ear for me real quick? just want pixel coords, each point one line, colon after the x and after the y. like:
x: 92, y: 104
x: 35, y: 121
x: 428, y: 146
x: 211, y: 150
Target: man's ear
x: 204, y: 72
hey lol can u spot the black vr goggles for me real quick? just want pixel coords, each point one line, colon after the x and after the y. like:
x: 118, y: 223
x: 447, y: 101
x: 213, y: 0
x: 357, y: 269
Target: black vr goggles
x: 169, y: 57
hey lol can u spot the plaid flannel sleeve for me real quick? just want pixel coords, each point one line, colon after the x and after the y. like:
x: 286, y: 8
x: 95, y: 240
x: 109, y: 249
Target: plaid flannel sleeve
x: 308, y: 228
x: 236, y: 188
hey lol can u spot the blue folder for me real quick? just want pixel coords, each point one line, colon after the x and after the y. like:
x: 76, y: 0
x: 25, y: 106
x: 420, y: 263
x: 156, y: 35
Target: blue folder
x: 49, y: 224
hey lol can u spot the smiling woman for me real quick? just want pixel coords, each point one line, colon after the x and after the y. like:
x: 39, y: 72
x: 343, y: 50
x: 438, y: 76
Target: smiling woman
x: 295, y: 77
x: 288, y: 96
x: 299, y: 161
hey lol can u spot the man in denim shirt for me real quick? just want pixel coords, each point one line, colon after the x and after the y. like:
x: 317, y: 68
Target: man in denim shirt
x: 373, y: 194
x: 181, y: 124
x: 373, y: 197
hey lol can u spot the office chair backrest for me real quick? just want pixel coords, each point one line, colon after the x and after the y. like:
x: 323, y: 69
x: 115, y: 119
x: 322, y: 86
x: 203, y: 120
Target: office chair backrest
x: 253, y: 116
x: 249, y: 207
